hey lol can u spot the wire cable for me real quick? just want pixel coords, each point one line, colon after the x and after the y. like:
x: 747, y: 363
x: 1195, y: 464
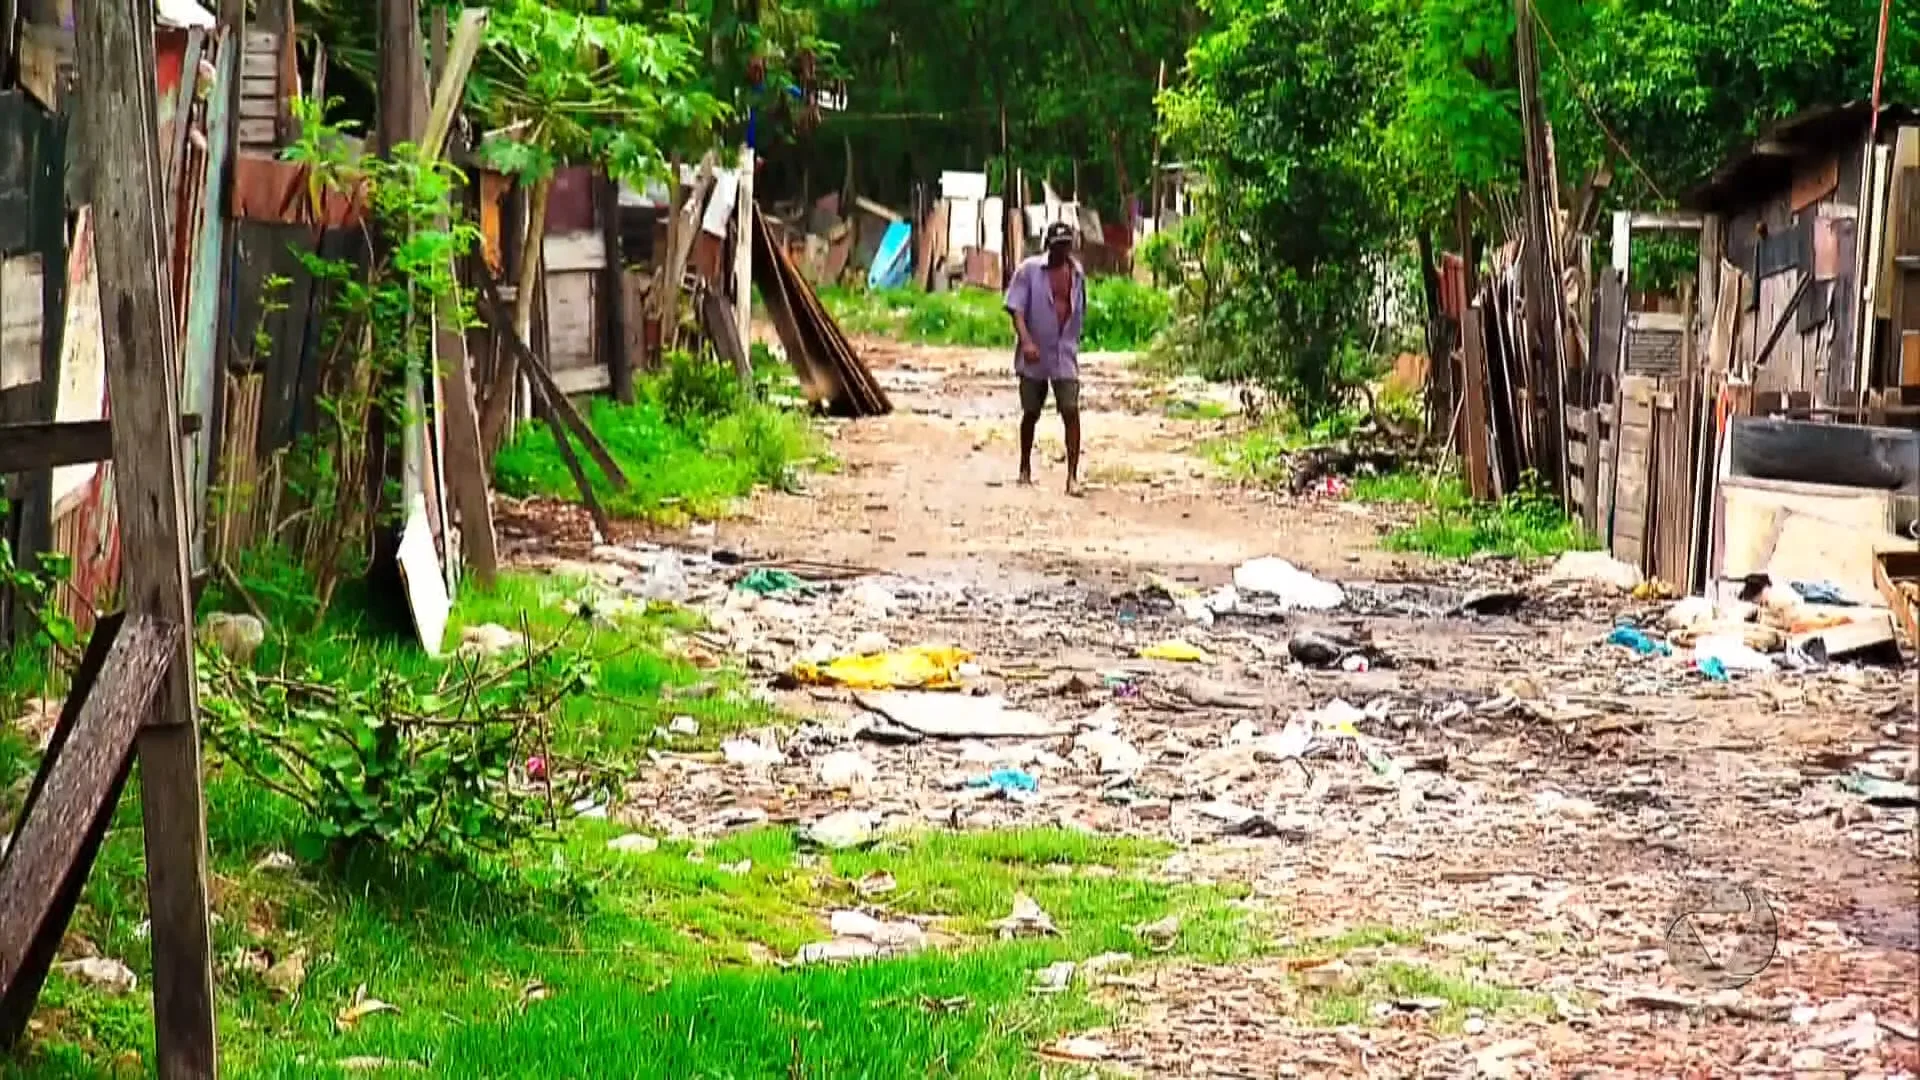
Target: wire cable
x: 1580, y: 91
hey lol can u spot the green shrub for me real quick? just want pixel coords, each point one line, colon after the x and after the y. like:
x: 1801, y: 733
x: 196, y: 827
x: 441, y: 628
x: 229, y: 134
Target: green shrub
x: 691, y: 443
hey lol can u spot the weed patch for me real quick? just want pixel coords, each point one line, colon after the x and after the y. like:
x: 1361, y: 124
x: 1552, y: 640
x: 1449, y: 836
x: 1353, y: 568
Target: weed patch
x: 1524, y: 524
x: 1122, y: 315
x: 691, y: 444
x: 599, y: 962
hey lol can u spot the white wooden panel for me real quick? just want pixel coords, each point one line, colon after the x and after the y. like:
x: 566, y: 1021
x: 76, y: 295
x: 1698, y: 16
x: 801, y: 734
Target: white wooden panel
x: 570, y: 320
x: 21, y: 295
x: 582, y: 380
x: 83, y: 366
x: 567, y: 252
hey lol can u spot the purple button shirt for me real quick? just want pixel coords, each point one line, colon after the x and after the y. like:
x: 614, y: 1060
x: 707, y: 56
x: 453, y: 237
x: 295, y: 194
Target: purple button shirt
x: 1030, y: 295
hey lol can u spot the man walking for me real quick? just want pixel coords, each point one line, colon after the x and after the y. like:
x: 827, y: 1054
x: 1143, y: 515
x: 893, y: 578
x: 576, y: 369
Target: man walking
x: 1048, y: 301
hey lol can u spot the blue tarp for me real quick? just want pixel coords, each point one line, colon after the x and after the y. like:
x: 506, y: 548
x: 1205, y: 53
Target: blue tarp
x: 895, y: 257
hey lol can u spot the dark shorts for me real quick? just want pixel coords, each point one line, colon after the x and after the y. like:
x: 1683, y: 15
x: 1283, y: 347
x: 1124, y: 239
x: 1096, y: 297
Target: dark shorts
x: 1033, y: 394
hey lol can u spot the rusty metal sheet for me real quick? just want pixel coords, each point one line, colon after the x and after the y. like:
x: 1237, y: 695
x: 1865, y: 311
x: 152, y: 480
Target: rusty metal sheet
x: 1814, y: 180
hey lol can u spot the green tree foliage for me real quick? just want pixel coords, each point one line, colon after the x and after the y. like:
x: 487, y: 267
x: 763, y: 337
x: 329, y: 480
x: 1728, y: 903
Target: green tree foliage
x: 1284, y: 108
x: 1334, y: 131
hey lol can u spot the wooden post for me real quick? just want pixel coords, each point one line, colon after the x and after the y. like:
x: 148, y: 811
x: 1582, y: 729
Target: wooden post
x: 1539, y: 282
x: 114, y: 53
x: 1473, y: 351
x: 743, y: 254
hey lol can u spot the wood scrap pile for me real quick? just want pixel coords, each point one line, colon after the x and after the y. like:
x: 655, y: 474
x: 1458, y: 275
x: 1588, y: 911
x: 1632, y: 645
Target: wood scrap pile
x: 831, y: 374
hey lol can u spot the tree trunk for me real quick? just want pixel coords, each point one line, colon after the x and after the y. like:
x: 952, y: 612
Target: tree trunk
x: 493, y: 417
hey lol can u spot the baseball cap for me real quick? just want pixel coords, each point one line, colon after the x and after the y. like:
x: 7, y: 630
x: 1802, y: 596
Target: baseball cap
x: 1059, y: 233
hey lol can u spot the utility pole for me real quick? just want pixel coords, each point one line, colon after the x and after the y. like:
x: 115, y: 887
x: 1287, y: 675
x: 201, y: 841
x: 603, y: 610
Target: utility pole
x: 113, y: 43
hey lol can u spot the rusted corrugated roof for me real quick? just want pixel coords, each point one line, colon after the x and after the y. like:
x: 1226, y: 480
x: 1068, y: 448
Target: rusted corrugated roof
x: 1765, y: 167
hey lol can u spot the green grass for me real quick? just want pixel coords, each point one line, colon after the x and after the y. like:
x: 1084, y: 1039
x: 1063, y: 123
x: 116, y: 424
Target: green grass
x: 654, y: 964
x: 645, y: 960
x: 690, y: 445
x: 640, y: 685
x: 1394, y: 981
x: 1122, y: 315
x: 1523, y: 524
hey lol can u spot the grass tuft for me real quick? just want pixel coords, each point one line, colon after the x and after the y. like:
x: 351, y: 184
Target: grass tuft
x: 690, y: 445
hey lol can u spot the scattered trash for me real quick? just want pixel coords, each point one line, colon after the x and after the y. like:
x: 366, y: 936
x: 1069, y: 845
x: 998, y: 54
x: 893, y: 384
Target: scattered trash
x: 108, y: 976
x: 845, y: 769
x: 1880, y: 791
x: 360, y: 1008
x: 1113, y: 755
x: 536, y: 768
x: 871, y: 602
x: 840, y: 831
x: 685, y: 726
x: 1054, y: 978
x: 237, y: 637
x: 1693, y: 611
x: 1176, y: 651
x: 1820, y: 592
x: 1291, y: 587
x: 871, y: 643
x: 751, y: 754
x: 1321, y: 648
x: 877, y: 883
x: 1636, y: 639
x: 1595, y: 568
x: 1160, y: 936
x: 1732, y: 654
x: 633, y: 844
x: 274, y: 862
x: 1006, y: 782
x: 1713, y: 668
x: 1653, y: 589
x: 960, y: 716
x: 1026, y: 920
x: 1332, y: 975
x: 489, y: 640
x: 925, y: 667
x: 764, y: 581
x: 286, y: 977
x: 1497, y: 603
x: 1079, y: 1048
x: 665, y: 580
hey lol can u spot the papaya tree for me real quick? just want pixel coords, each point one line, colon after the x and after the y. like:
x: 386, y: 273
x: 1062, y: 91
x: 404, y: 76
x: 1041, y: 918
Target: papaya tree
x: 555, y: 88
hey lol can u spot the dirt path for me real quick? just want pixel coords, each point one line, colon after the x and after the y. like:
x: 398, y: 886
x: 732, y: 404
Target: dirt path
x: 1540, y: 809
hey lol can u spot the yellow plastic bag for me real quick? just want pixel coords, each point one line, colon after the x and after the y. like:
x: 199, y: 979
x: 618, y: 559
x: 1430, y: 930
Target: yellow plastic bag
x: 923, y: 667
x: 1177, y: 651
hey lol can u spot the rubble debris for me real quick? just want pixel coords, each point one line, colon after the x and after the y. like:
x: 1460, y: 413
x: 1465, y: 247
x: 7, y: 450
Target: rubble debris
x: 633, y: 844
x: 1112, y: 754
x: 840, y: 831
x: 1009, y: 783
x: 846, y: 770
x: 751, y: 754
x: 1027, y: 919
x: 1595, y: 568
x: 959, y: 716
x: 102, y: 973
x: 766, y: 581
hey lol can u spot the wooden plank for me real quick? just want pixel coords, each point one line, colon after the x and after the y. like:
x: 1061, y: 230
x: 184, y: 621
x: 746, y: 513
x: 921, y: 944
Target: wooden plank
x: 1669, y: 221
x: 22, y: 320
x: 716, y: 319
x: 495, y: 312
x: 1813, y: 180
x: 48, y: 444
x: 1474, y: 362
x: 71, y: 803
x: 114, y: 47
x: 255, y: 66
x: 582, y: 380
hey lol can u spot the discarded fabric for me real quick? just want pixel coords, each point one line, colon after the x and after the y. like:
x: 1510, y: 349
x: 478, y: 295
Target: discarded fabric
x: 1005, y: 781
x: 1637, y: 640
x: 1733, y: 655
x: 1820, y: 592
x: 767, y: 581
x: 925, y: 667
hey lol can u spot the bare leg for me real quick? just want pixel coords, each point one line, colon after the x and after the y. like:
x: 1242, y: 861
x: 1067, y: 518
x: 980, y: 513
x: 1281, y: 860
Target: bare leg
x: 1029, y: 423
x: 1070, y: 419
